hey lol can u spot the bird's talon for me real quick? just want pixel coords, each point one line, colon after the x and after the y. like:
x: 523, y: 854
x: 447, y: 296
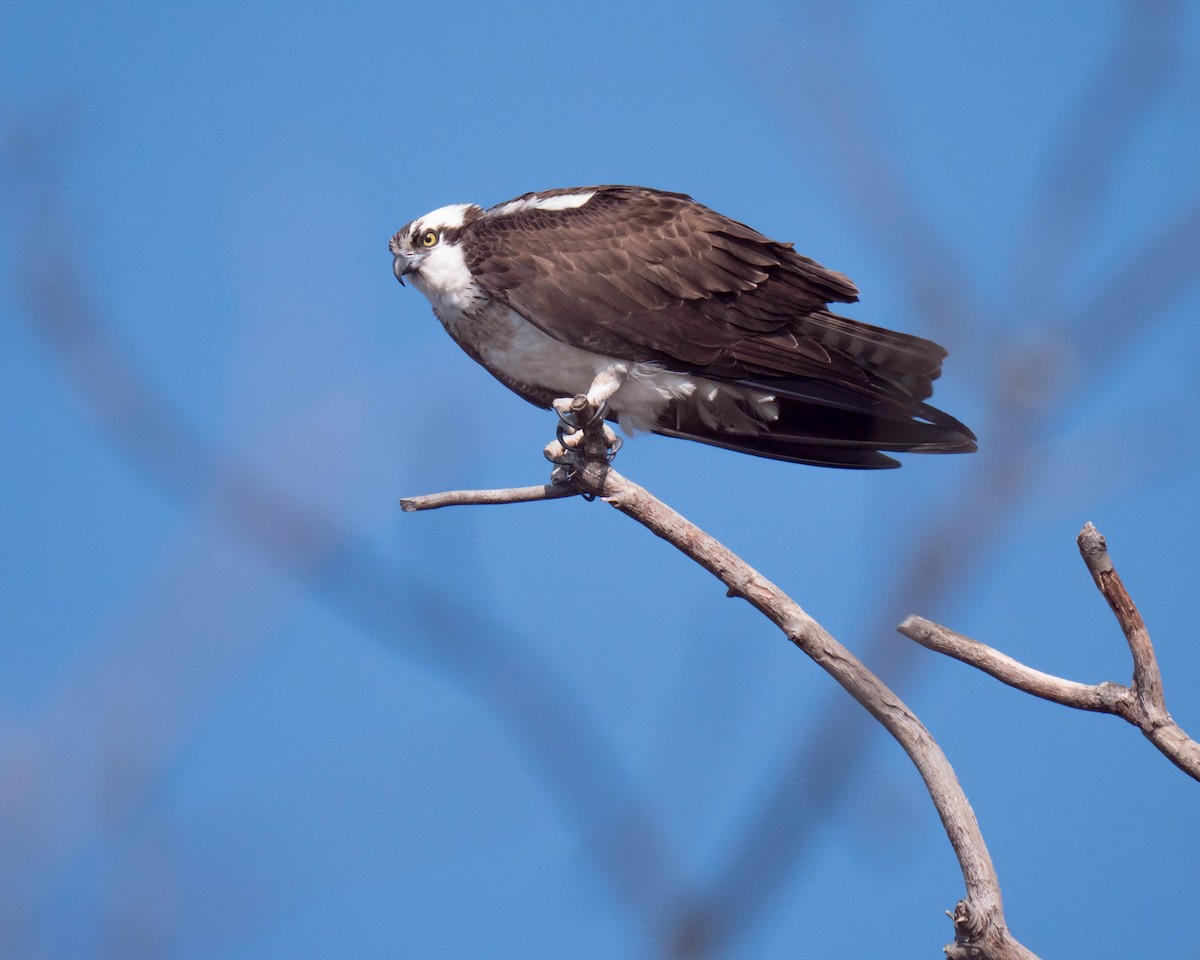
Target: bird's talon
x: 557, y: 452
x: 562, y: 406
x: 569, y: 410
x: 568, y: 435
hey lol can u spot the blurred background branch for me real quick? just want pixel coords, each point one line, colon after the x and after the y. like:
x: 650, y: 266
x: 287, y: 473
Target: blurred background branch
x: 1026, y: 385
x: 452, y: 636
x: 198, y: 250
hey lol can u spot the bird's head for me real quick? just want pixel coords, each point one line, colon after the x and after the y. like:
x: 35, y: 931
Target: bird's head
x: 427, y: 249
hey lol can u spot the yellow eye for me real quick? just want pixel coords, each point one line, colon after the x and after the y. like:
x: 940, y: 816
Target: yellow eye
x: 429, y: 238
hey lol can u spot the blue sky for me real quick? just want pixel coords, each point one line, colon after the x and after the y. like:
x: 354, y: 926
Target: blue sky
x: 363, y: 733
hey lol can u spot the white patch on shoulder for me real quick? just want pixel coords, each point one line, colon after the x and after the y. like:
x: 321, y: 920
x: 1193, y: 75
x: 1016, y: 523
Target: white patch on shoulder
x: 562, y: 201
x: 451, y: 216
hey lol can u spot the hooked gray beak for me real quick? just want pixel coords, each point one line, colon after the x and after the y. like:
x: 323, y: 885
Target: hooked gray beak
x: 402, y: 266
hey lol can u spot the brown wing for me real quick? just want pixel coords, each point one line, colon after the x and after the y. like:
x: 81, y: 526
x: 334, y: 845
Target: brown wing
x: 643, y: 274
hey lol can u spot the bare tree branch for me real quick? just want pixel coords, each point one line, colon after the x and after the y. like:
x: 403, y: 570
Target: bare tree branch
x: 1147, y: 679
x: 1141, y: 703
x: 455, y: 498
x: 1082, y: 696
x: 980, y: 927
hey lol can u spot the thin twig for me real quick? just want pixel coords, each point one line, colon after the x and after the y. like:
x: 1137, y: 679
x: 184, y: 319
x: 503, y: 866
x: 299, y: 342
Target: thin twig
x: 454, y: 498
x: 1082, y: 696
x: 1147, y: 680
x: 1142, y: 703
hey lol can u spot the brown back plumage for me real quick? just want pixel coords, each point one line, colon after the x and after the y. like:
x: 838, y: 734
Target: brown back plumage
x: 646, y: 275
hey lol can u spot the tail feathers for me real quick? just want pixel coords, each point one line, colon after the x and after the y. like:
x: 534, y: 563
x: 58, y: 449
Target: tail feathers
x: 919, y: 428
x: 835, y: 436
x: 812, y: 454
x: 909, y: 362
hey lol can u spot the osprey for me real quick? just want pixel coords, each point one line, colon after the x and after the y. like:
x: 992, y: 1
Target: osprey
x: 677, y: 320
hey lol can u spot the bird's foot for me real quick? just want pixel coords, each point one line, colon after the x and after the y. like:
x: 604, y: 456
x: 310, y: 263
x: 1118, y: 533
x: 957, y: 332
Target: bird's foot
x: 578, y: 420
x: 579, y: 412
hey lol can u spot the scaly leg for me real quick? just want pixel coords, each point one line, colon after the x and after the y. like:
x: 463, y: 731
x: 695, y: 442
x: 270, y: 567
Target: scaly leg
x: 607, y: 382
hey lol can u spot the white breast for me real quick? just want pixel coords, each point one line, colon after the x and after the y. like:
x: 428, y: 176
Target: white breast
x: 515, y: 349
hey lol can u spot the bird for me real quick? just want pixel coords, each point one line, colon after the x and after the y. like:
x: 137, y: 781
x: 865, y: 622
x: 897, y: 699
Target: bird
x: 676, y: 320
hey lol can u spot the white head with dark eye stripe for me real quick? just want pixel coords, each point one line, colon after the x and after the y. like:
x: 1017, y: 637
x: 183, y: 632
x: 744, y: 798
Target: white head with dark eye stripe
x: 427, y: 251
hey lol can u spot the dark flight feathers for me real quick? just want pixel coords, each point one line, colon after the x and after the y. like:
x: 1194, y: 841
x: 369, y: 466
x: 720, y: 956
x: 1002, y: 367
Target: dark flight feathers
x: 645, y: 275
